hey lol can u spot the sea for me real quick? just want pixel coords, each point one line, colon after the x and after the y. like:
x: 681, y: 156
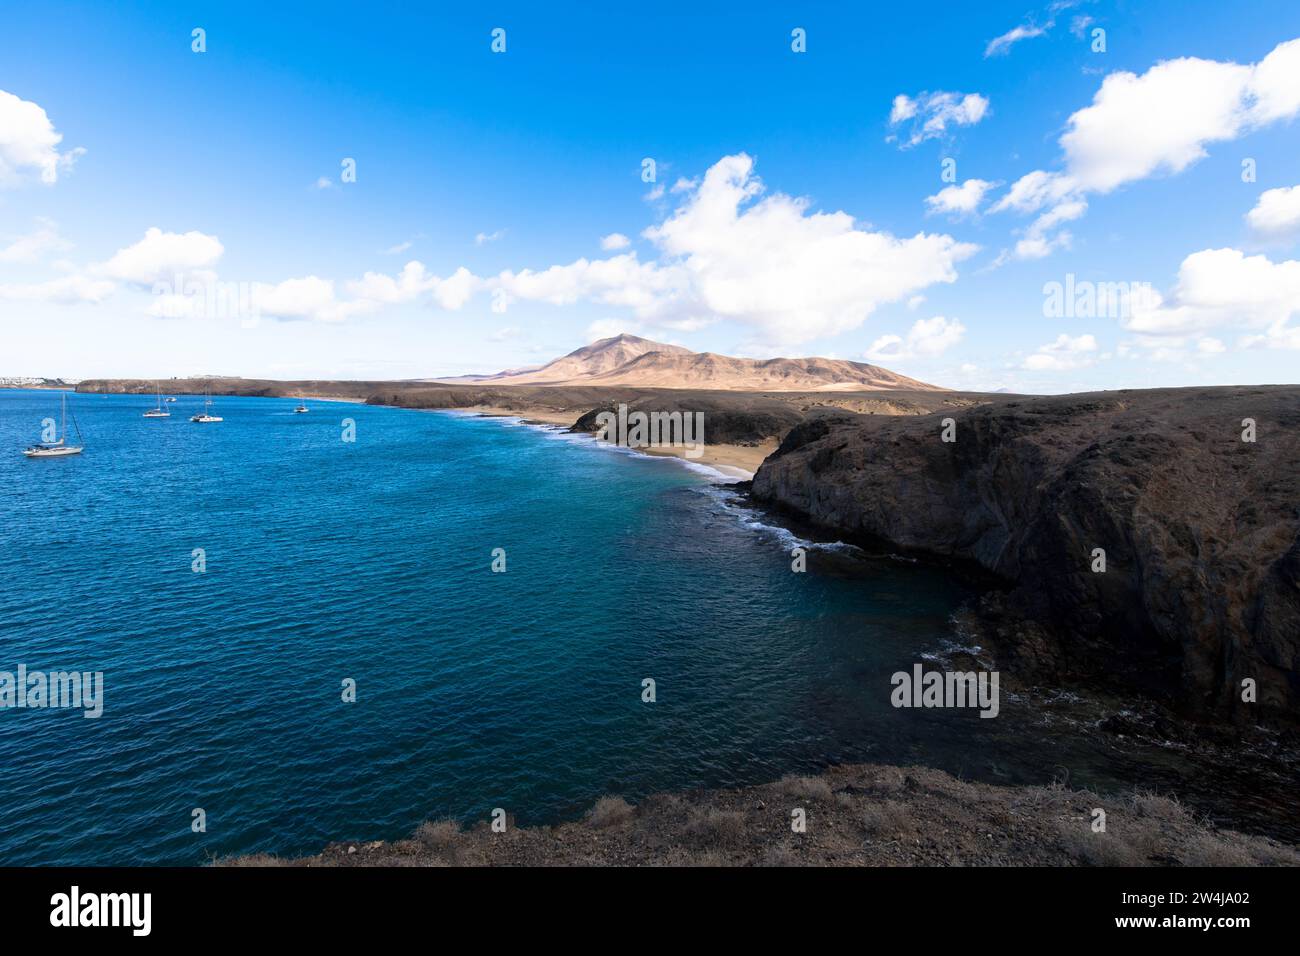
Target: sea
x: 336, y: 625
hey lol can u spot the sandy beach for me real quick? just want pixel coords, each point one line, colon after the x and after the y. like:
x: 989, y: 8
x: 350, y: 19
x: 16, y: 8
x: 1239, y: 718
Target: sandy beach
x: 734, y: 461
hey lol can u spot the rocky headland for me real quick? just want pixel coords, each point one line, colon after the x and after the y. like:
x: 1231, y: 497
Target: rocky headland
x: 1196, y: 509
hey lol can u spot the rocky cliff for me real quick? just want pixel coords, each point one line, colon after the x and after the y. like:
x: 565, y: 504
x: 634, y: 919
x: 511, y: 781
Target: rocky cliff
x: 1200, y: 528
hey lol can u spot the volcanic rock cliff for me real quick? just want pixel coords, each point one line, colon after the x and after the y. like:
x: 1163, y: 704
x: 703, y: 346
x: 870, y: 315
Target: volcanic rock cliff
x: 1200, y: 528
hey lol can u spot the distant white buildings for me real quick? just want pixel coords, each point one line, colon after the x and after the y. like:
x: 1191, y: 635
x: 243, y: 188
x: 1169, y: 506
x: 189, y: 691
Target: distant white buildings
x: 26, y: 381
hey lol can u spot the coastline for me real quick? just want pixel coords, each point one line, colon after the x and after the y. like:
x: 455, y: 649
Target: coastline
x: 730, y: 460
x: 853, y: 815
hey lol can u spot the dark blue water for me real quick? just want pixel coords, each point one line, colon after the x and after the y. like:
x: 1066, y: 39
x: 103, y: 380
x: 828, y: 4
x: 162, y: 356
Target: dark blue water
x: 371, y: 561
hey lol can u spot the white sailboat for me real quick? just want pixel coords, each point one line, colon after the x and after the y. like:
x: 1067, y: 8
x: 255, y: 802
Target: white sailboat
x: 58, y: 448
x: 159, y: 411
x: 203, y: 416
x: 301, y: 409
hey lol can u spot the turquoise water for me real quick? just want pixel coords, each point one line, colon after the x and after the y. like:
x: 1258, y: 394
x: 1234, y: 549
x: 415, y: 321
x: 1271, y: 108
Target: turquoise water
x: 371, y: 561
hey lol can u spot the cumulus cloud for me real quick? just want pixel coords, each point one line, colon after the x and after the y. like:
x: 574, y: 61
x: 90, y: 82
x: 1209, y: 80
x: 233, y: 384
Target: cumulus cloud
x: 29, y: 143
x: 1159, y: 122
x: 615, y: 240
x: 1225, y: 289
x: 1277, y: 213
x: 1063, y: 354
x: 959, y: 200
x: 930, y: 114
x: 162, y: 255
x: 310, y: 297
x: 792, y: 273
x: 926, y: 337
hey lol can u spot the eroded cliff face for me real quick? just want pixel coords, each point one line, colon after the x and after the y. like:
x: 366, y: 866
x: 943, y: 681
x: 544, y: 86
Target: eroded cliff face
x: 1201, y: 529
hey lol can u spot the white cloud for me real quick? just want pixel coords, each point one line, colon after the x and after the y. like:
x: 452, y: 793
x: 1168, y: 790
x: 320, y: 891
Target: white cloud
x: 1277, y: 213
x: 620, y: 280
x: 413, y: 283
x: 1063, y: 354
x: 931, y: 114
x: 162, y: 255
x: 904, y: 108
x: 1002, y: 44
x: 29, y: 143
x: 506, y: 333
x: 615, y: 240
x: 793, y: 274
x: 396, y: 250
x: 1158, y: 122
x: 1225, y: 289
x: 324, y: 182
x: 926, y: 337
x: 310, y: 297
x: 33, y: 246
x: 959, y: 200
x: 483, y: 238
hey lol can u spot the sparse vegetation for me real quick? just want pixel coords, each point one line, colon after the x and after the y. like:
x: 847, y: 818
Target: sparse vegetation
x: 860, y: 815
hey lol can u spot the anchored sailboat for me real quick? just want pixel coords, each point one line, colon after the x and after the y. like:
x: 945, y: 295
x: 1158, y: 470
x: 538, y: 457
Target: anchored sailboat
x: 58, y: 448
x: 203, y: 416
x: 158, y: 412
x: 301, y: 407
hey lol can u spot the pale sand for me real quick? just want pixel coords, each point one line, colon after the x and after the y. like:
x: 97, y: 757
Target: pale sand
x: 735, y: 461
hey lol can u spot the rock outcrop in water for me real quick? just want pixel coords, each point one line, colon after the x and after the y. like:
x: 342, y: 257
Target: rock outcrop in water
x: 1200, y: 528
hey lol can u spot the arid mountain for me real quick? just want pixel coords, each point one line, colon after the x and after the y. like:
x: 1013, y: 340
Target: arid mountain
x: 631, y: 360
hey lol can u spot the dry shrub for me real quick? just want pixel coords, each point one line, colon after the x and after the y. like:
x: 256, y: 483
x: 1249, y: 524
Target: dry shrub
x: 441, y: 837
x: 711, y: 827
x: 610, y: 811
x: 810, y: 788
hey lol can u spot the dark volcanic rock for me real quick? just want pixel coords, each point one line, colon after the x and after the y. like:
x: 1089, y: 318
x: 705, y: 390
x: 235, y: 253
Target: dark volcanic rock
x: 727, y: 420
x: 1201, y: 529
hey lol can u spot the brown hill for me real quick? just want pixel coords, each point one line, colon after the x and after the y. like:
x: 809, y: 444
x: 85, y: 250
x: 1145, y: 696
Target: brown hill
x: 632, y: 360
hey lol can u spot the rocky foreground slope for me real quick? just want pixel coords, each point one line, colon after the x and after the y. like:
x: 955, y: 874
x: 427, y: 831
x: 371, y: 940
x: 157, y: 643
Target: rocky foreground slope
x: 863, y: 815
x: 1200, y: 528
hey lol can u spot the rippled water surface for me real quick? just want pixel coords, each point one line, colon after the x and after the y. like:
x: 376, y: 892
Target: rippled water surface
x: 371, y: 560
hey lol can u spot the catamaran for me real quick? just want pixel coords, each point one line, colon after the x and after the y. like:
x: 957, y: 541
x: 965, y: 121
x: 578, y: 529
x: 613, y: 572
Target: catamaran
x: 158, y: 412
x: 203, y: 416
x: 58, y: 448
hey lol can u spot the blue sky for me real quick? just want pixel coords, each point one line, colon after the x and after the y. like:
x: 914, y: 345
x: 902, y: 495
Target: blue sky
x: 812, y: 234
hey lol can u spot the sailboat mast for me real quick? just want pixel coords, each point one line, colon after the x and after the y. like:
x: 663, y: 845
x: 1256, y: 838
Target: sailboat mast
x: 63, y: 431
